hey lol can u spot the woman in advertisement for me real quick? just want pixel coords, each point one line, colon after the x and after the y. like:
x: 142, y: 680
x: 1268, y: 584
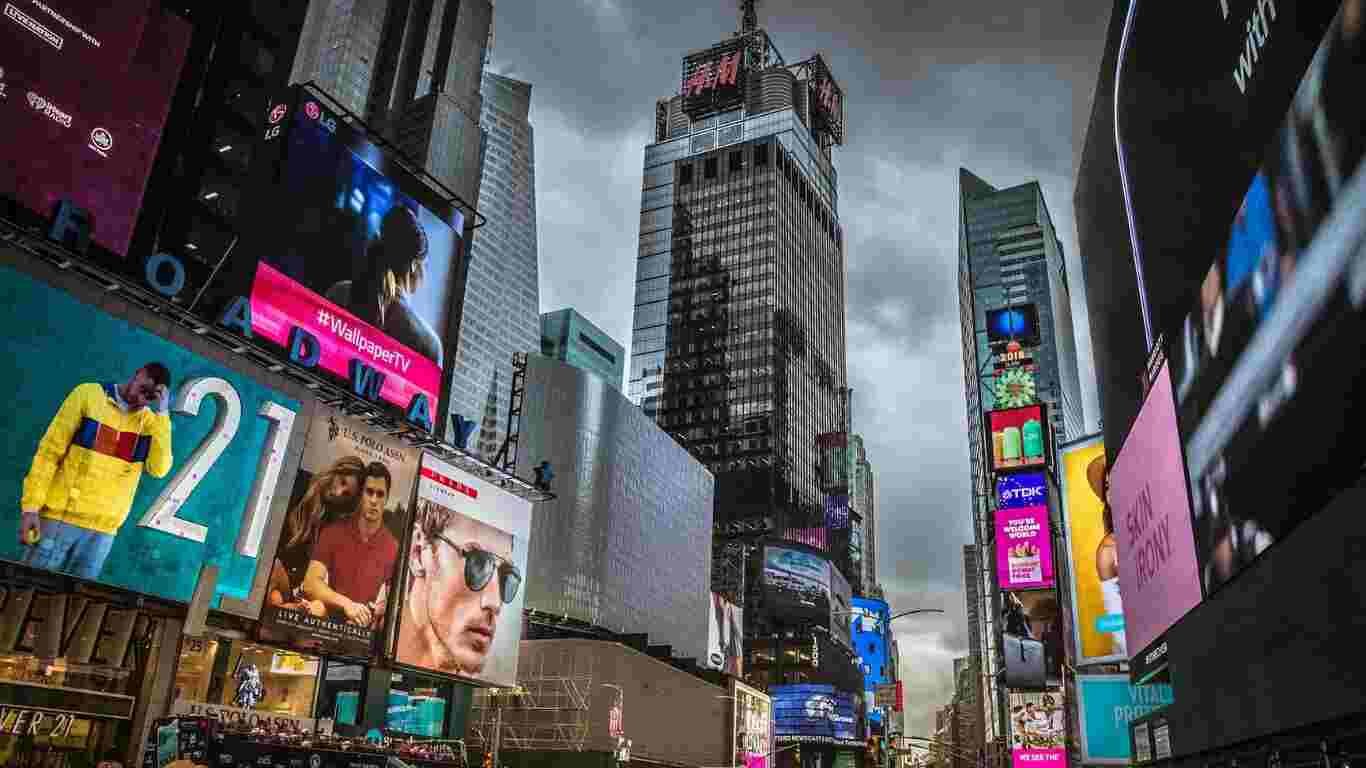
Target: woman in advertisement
x: 331, y: 496
x: 1107, y: 552
x: 395, y: 266
x: 460, y: 576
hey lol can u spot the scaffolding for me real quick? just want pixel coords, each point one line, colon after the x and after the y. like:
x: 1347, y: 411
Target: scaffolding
x: 549, y: 709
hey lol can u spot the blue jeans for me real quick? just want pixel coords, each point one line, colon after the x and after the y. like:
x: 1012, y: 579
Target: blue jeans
x: 69, y: 549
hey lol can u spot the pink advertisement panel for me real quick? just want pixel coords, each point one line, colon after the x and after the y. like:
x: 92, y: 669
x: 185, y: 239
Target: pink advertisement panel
x: 1158, y: 574
x: 1024, y: 551
x: 1051, y: 757
x: 278, y: 304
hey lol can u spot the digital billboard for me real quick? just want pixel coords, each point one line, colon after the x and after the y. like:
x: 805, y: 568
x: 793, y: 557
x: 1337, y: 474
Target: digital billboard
x: 349, y: 507
x: 725, y: 636
x: 869, y: 628
x: 1267, y: 370
x: 1018, y: 323
x: 752, y: 726
x: 84, y: 92
x: 814, y: 712
x: 1099, y: 626
x: 1157, y: 565
x: 1106, y: 704
x: 383, y: 293
x: 1038, y: 730
x: 1018, y: 438
x: 462, y: 581
x: 797, y: 583
x: 130, y: 460
x: 1038, y: 620
x: 1024, y: 537
x: 834, y: 462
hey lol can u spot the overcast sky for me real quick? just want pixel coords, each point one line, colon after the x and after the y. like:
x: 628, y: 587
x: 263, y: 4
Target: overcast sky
x: 1001, y: 88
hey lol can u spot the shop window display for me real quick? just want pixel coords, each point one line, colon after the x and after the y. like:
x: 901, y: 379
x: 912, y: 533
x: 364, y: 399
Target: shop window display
x: 225, y: 675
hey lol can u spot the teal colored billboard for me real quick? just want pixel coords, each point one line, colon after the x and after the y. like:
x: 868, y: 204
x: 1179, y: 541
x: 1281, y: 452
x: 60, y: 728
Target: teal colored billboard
x: 129, y: 460
x: 1106, y: 704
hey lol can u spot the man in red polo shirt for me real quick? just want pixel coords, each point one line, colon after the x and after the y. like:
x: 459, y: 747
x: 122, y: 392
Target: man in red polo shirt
x: 353, y: 561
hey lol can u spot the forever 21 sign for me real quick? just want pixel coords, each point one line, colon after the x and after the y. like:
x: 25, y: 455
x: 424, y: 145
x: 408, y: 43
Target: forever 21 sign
x: 23, y: 721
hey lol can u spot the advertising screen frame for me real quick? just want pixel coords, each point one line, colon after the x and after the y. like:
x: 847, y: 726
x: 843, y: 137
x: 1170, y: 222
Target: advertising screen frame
x: 839, y: 701
x: 1087, y: 450
x: 740, y: 713
x: 817, y: 612
x: 1009, y: 417
x: 725, y: 636
x: 336, y: 445
x: 1053, y: 756
x: 480, y: 509
x: 232, y: 437
x: 862, y: 609
x: 287, y: 291
x: 113, y: 143
x: 1141, y: 619
x: 1037, y: 530
x: 1143, y: 702
x: 997, y: 337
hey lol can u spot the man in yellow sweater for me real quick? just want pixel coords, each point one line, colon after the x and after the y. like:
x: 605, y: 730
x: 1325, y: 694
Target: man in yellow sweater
x: 87, y: 467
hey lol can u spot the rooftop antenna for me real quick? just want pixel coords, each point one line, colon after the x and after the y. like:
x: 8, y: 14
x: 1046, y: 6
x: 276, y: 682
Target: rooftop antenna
x: 749, y: 17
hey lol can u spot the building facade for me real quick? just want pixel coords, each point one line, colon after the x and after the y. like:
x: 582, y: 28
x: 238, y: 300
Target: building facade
x: 502, y: 291
x: 863, y: 503
x: 618, y: 548
x: 571, y: 338
x: 410, y: 68
x: 1009, y: 255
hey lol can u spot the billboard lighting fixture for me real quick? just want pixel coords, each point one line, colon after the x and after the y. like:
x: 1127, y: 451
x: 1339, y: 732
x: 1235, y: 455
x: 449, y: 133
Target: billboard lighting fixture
x: 191, y: 247
x: 224, y: 148
x: 210, y: 195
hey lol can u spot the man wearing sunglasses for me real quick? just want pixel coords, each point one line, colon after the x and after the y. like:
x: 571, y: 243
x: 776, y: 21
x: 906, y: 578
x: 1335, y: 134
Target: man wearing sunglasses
x: 460, y: 577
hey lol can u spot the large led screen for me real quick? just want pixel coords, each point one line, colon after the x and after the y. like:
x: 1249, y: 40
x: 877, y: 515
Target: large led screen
x: 1024, y: 538
x: 1018, y: 438
x: 462, y: 583
x: 1106, y: 704
x: 1267, y: 363
x: 356, y: 251
x: 869, y: 628
x: 129, y: 460
x: 84, y: 92
x: 1019, y: 323
x: 1038, y: 730
x: 333, y: 575
x: 813, y: 712
x: 1157, y: 566
x: 1099, y: 626
x: 797, y: 583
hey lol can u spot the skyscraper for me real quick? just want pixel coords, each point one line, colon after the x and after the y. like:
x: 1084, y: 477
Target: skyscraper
x: 571, y: 338
x: 984, y: 729
x: 863, y: 500
x: 739, y: 328
x: 411, y: 68
x: 1009, y: 255
x: 502, y: 295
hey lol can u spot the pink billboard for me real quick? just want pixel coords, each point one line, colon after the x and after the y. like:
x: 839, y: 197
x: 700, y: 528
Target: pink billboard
x: 1024, y: 551
x: 278, y: 305
x: 1158, y: 574
x: 1046, y: 757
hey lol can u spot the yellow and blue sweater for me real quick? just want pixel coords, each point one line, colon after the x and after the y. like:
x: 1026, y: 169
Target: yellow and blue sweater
x: 89, y: 462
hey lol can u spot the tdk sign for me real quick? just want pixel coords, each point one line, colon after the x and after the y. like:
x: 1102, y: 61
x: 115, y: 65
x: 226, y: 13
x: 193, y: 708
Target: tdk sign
x: 1026, y: 489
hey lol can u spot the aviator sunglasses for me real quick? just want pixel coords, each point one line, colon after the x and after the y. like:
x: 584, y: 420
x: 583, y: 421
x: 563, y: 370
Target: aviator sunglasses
x: 481, y: 565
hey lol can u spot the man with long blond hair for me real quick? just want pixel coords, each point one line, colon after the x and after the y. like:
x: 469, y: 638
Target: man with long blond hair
x: 332, y: 495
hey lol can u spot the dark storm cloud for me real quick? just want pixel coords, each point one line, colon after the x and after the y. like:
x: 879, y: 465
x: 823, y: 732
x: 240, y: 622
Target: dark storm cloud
x: 1003, y: 89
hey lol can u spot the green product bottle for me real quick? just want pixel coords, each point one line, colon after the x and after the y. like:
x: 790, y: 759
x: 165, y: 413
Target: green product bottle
x: 1033, y: 439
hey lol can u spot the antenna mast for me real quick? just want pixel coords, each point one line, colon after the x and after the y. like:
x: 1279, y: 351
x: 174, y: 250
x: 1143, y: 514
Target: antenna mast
x: 749, y: 17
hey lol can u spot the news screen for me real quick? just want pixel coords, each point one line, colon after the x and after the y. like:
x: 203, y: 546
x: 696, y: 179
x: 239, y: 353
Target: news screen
x: 84, y: 92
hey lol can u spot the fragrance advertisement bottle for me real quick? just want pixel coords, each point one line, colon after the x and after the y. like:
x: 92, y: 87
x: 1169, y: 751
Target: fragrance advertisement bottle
x: 1033, y: 439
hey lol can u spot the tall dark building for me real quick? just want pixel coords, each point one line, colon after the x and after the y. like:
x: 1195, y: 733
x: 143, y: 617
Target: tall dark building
x: 738, y: 342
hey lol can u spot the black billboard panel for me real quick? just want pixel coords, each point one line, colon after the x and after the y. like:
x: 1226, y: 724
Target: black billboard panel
x: 714, y: 79
x: 1266, y: 363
